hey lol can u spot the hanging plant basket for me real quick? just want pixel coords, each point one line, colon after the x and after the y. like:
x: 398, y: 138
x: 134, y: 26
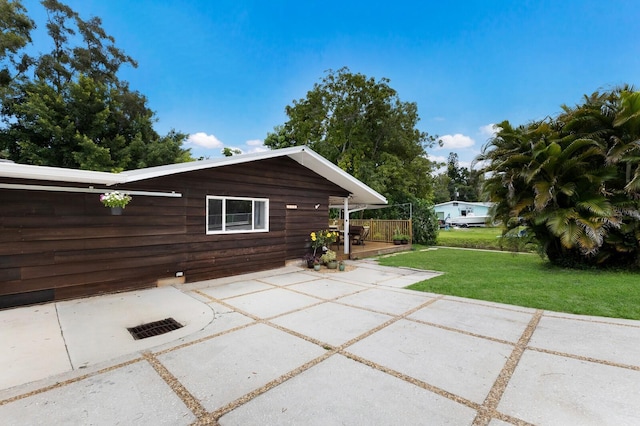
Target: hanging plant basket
x: 116, y: 201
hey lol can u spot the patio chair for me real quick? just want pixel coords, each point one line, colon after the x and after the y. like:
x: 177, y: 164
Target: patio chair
x: 365, y: 234
x: 359, y: 234
x: 354, y: 233
x: 338, y: 240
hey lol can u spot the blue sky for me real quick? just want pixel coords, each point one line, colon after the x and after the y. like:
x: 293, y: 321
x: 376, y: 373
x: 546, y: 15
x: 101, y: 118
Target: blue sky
x: 223, y: 71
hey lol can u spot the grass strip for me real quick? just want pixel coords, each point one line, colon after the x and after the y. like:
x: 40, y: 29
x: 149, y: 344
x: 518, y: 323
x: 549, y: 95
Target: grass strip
x: 524, y: 280
x: 483, y: 238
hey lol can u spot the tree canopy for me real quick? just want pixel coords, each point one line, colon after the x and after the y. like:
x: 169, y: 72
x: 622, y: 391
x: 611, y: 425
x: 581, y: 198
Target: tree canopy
x: 573, y: 180
x: 67, y: 107
x: 362, y: 126
x: 457, y: 183
x: 15, y: 34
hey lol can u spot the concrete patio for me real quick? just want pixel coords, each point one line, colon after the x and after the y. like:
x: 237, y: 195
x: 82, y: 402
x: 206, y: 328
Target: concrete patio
x: 295, y: 346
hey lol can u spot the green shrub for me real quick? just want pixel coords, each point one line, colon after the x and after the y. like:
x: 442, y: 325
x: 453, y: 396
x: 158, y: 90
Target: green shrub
x: 425, y: 223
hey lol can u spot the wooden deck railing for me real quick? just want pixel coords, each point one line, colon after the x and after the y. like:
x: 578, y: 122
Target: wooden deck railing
x: 380, y: 230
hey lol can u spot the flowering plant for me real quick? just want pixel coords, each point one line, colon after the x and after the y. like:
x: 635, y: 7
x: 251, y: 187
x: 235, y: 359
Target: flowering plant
x: 115, y: 199
x: 329, y: 256
x: 320, y: 239
x: 311, y: 259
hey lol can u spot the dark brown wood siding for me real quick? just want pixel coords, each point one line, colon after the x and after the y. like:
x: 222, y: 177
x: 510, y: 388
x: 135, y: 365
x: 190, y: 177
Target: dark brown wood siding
x: 61, y: 245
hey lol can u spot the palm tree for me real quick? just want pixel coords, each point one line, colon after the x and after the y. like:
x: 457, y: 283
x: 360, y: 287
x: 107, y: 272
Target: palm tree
x: 561, y: 177
x: 626, y: 142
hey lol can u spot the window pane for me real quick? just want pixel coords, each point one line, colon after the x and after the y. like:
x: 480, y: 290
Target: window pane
x: 238, y: 215
x: 215, y: 215
x: 259, y: 215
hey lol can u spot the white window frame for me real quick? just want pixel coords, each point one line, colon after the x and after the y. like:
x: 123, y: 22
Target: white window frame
x: 224, y: 215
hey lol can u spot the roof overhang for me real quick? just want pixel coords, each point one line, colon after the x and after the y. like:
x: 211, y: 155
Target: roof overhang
x: 359, y: 193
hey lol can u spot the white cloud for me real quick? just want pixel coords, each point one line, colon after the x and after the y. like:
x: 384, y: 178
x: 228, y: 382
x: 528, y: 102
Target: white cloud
x: 437, y: 158
x: 204, y: 140
x: 489, y: 130
x: 256, y: 146
x: 258, y: 149
x: 456, y: 141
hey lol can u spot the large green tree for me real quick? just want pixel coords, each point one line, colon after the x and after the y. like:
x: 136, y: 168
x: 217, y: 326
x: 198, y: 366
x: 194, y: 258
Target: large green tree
x: 15, y: 34
x: 462, y: 183
x: 361, y: 125
x: 573, y: 180
x: 67, y: 107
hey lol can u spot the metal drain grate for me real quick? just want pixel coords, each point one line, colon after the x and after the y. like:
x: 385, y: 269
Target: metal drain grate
x: 155, y: 328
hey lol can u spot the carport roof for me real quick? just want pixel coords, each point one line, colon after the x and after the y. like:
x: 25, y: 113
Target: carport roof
x: 359, y: 192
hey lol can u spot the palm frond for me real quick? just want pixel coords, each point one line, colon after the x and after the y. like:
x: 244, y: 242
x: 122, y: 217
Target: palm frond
x: 598, y: 206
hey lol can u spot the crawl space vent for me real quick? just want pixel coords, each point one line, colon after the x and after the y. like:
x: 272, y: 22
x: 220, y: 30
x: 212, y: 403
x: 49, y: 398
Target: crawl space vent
x: 155, y: 328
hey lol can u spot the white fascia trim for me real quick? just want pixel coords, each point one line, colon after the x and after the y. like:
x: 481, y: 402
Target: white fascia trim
x: 25, y: 171
x: 360, y: 193
x: 89, y: 190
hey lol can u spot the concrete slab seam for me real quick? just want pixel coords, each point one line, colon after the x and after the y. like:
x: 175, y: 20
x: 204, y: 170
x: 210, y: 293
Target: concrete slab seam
x: 68, y: 381
x: 266, y: 321
x: 176, y: 386
x: 412, y: 380
x: 488, y: 409
x: 330, y: 352
x: 322, y: 298
x: 349, y: 305
x: 272, y: 384
x: 206, y: 421
x: 212, y: 336
x: 513, y: 308
x: 485, y: 412
x: 66, y: 347
x: 457, y: 330
x: 602, y: 321
x: 243, y: 294
x: 406, y: 268
x: 387, y: 323
x: 342, y: 350
x: 585, y: 358
x: 203, y: 339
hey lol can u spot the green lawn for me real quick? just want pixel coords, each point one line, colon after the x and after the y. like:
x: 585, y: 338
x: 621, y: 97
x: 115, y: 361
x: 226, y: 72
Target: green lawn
x: 481, y: 237
x: 525, y: 280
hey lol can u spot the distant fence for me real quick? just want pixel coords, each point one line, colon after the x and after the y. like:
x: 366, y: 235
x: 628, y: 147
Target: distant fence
x: 381, y: 230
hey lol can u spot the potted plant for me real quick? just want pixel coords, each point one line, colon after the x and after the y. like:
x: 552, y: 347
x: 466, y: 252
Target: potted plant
x: 117, y: 201
x: 397, y: 237
x: 404, y: 239
x: 341, y: 265
x: 316, y: 264
x: 329, y: 259
x: 321, y: 239
x: 311, y: 260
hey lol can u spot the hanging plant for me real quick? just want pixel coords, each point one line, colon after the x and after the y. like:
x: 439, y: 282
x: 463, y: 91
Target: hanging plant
x: 115, y: 199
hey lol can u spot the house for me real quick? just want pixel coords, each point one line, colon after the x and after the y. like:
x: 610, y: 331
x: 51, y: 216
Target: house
x: 452, y: 209
x: 186, y: 222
